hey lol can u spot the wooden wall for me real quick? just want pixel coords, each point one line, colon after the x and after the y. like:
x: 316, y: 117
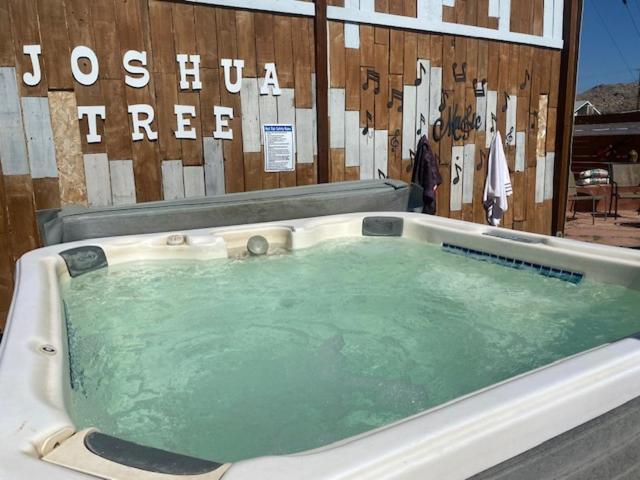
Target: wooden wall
x: 385, y: 85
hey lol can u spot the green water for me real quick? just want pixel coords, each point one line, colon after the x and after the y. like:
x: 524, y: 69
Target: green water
x: 230, y: 359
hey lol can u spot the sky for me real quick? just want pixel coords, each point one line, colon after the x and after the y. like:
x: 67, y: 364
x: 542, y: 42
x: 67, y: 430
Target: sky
x: 602, y: 36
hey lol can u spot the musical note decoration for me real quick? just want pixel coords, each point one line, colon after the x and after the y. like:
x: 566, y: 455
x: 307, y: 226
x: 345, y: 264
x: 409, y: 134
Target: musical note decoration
x: 458, y: 171
x: 527, y: 79
x: 365, y: 130
x: 394, y: 142
x: 443, y: 100
x: 460, y: 76
x: 374, y: 76
x: 423, y: 121
x: 509, y: 137
x: 506, y: 101
x: 494, y: 120
x: 395, y: 95
x: 412, y: 159
x: 483, y: 156
x: 479, y: 87
x: 381, y: 175
x: 421, y: 71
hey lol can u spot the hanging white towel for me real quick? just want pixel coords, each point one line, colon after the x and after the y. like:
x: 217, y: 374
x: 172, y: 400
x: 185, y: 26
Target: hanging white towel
x: 498, y: 185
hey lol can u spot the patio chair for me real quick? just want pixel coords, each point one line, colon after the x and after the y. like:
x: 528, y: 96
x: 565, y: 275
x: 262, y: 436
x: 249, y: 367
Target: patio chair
x: 623, y: 175
x: 575, y: 197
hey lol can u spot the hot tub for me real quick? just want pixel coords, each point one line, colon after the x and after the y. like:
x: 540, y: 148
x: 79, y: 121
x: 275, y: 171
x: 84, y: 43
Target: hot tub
x: 368, y: 345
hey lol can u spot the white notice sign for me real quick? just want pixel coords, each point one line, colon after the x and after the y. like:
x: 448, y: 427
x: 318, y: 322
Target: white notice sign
x: 279, y: 154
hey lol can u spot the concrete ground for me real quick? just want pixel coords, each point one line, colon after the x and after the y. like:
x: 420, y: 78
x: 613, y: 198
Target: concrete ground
x: 623, y: 231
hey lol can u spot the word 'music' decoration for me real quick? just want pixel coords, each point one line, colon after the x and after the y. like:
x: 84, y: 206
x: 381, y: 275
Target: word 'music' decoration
x: 137, y: 75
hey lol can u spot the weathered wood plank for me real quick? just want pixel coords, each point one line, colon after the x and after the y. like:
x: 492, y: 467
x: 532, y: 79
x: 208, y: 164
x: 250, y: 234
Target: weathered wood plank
x: 468, y: 172
x: 193, y: 182
x: 123, y: 187
x: 423, y: 110
x: 367, y: 149
x: 352, y: 140
x: 172, y: 179
x: 117, y: 124
x: 96, y: 169
x: 408, y: 120
x: 46, y: 192
x: 304, y: 135
x: 284, y: 50
x: 21, y: 208
x: 25, y: 28
x: 250, y: 115
x: 37, y: 126
x: 336, y: 117
x: 457, y: 173
x: 55, y: 48
x: 381, y: 153
x: 13, y: 149
x: 7, y: 52
x: 213, y: 166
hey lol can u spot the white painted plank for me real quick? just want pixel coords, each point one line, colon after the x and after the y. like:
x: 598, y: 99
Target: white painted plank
x: 468, y: 171
x: 435, y: 94
x: 494, y: 8
x: 286, y: 106
x: 422, y: 99
x: 422, y: 24
x: 193, y: 182
x: 457, y: 174
x: 352, y: 140
x: 304, y: 134
x: 367, y: 5
x: 213, y: 166
x: 367, y: 146
x: 250, y: 107
x: 540, y: 178
x: 434, y: 10
x: 268, y: 106
x: 98, y: 180
x: 296, y: 7
x: 13, y: 149
x: 547, y: 19
x: 336, y: 117
x: 314, y: 109
x: 549, y: 169
x: 512, y: 109
x: 521, y: 145
x: 123, y: 185
x: 381, y: 147
x: 481, y: 112
x: 504, y: 22
x: 558, y: 7
x: 408, y: 120
x: 449, y: 3
x: 368, y: 15
x: 351, y: 35
x: 37, y: 126
x: 172, y: 179
x: 492, y: 106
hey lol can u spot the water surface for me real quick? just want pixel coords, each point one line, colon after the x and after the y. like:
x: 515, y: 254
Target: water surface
x: 231, y: 359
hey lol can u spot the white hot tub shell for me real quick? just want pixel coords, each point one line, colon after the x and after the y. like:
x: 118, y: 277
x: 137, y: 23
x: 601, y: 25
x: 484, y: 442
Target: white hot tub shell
x: 456, y: 440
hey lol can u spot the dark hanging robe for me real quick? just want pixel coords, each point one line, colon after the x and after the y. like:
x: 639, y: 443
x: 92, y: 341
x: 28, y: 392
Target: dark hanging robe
x: 426, y: 174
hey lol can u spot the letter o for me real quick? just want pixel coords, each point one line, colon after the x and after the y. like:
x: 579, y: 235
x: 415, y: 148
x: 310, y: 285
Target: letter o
x: 81, y: 77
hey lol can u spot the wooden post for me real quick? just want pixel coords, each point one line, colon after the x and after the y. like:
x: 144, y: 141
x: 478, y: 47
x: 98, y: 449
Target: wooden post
x: 322, y: 90
x: 564, y: 134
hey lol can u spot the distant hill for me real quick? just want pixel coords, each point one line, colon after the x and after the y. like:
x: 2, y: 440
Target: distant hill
x: 613, y: 98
